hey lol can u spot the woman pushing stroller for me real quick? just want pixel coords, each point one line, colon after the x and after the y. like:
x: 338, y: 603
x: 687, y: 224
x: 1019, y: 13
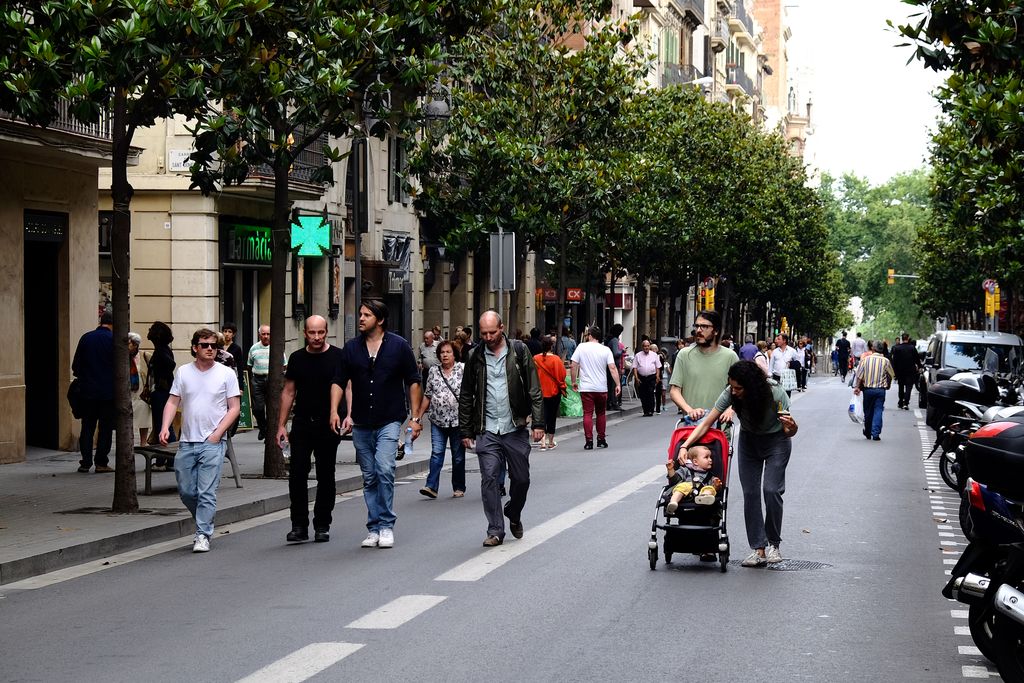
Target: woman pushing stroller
x: 764, y: 449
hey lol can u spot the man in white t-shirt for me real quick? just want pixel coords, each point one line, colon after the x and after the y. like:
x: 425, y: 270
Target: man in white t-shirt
x: 209, y: 398
x: 782, y: 356
x: 591, y: 363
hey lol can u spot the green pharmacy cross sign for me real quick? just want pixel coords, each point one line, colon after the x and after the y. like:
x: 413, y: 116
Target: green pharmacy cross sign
x: 311, y: 235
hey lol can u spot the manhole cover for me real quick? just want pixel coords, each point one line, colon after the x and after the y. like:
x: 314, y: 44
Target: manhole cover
x: 790, y: 565
x: 162, y: 512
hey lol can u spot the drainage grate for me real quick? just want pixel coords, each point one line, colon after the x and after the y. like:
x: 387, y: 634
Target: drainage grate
x: 161, y: 512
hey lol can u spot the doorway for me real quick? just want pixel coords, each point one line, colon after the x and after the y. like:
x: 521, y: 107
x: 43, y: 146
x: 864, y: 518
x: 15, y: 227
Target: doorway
x: 42, y: 328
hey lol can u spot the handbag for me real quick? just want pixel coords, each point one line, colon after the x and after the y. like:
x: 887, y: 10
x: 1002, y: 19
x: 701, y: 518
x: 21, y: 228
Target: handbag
x: 75, y: 398
x: 145, y: 395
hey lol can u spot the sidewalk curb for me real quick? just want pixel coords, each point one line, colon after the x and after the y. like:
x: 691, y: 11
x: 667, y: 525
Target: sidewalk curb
x: 43, y: 563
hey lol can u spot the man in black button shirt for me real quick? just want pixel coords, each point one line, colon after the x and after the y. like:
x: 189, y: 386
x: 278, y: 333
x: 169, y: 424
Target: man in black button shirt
x: 307, y: 384
x: 377, y: 369
x: 906, y: 363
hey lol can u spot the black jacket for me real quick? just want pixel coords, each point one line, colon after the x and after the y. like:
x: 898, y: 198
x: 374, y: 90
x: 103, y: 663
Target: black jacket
x: 905, y: 360
x: 524, y: 395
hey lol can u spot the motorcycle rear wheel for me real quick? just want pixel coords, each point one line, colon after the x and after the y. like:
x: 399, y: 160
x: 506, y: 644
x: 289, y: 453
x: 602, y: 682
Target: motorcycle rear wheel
x: 980, y: 620
x: 947, y: 473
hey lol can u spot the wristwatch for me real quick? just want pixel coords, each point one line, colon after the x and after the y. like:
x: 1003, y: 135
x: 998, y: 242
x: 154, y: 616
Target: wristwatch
x: 417, y: 420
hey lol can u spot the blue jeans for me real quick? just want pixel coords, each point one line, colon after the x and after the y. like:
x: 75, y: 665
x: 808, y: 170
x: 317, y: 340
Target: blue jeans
x: 874, y: 403
x: 439, y: 438
x: 197, y: 469
x: 762, y: 467
x: 376, y: 448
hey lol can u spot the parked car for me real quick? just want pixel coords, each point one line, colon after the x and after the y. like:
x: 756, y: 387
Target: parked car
x: 953, y: 351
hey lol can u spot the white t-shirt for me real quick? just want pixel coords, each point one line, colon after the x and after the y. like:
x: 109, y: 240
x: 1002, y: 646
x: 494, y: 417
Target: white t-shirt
x: 593, y: 359
x: 780, y: 359
x: 204, y: 398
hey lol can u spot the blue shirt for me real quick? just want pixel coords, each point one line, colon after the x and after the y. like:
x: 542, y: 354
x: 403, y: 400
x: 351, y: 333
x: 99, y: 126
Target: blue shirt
x: 497, y: 410
x: 94, y: 364
x: 747, y: 351
x: 378, y: 387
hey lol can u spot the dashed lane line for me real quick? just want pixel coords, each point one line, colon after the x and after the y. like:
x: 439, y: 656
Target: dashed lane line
x: 397, y: 612
x: 303, y: 664
x: 493, y: 558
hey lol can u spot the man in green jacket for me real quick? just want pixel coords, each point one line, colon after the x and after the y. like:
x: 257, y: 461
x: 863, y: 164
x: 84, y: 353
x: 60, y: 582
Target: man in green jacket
x: 500, y: 392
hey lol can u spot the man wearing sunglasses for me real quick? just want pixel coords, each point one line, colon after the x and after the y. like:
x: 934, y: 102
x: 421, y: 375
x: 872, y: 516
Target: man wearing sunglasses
x: 701, y: 371
x: 209, y: 398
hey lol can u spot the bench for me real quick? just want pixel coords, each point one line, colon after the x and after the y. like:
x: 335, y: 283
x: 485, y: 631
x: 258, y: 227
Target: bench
x: 152, y: 452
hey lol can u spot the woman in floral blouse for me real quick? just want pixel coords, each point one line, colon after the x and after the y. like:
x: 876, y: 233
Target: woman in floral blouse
x: 441, y: 405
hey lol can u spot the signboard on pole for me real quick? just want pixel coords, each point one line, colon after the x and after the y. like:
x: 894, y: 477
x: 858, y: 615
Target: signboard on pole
x: 574, y: 295
x: 503, y: 261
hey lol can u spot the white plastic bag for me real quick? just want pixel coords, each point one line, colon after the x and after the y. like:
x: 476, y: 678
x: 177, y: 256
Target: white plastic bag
x: 787, y: 379
x: 856, y: 412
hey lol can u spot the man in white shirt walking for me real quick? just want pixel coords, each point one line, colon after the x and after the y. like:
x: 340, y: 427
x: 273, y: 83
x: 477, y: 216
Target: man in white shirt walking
x: 209, y: 398
x: 591, y: 363
x: 782, y: 356
x: 648, y: 369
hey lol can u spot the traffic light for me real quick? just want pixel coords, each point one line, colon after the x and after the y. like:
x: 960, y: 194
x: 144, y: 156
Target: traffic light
x: 891, y: 278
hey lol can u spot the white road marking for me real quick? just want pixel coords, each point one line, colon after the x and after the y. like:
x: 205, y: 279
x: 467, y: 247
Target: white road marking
x: 961, y: 630
x: 968, y: 650
x: 493, y: 558
x: 303, y: 663
x: 958, y: 613
x: 398, y: 611
x: 976, y: 672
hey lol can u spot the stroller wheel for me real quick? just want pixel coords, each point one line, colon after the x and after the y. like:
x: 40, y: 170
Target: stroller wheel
x: 652, y: 555
x: 668, y: 556
x: 723, y: 559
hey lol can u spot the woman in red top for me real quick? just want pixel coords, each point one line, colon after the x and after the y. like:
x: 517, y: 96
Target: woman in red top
x: 551, y: 372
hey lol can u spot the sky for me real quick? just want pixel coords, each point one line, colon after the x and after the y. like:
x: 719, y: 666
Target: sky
x: 872, y: 111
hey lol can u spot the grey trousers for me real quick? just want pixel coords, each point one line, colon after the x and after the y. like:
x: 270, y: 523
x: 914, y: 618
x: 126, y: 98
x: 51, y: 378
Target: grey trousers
x: 513, y: 450
x: 762, y: 460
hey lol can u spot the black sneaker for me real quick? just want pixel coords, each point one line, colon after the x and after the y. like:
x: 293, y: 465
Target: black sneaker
x: 601, y: 443
x: 587, y: 446
x: 84, y: 469
x: 321, y: 536
x: 298, y: 534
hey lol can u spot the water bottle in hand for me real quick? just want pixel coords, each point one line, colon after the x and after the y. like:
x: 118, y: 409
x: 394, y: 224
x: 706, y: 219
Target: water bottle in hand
x: 286, y: 449
x: 408, y: 440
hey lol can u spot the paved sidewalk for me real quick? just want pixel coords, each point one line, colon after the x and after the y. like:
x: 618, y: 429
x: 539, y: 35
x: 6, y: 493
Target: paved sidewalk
x: 52, y: 517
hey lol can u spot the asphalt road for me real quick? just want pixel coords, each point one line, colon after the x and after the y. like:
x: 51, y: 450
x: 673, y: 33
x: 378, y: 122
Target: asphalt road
x: 573, y: 600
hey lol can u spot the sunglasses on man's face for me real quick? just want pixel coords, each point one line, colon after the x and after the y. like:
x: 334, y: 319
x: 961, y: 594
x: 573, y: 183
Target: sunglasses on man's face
x: 206, y: 345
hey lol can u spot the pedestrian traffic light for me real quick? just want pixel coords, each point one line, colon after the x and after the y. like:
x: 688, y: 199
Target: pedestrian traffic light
x: 891, y: 279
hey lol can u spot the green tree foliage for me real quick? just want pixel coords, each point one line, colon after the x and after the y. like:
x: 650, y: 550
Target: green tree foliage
x: 298, y: 72
x: 873, y: 229
x: 134, y: 62
x: 978, y: 151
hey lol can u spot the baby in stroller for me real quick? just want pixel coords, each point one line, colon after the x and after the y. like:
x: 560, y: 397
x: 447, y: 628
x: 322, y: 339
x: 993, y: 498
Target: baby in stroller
x: 690, y: 475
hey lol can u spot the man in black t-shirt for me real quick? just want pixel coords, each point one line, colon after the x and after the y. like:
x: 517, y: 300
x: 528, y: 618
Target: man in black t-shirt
x: 307, y: 384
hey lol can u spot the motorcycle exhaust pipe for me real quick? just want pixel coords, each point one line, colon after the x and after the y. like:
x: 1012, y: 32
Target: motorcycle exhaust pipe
x: 970, y: 587
x: 1010, y: 601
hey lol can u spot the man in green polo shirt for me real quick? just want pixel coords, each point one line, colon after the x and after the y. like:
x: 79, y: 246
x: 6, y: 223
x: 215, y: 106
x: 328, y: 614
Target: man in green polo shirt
x: 701, y: 371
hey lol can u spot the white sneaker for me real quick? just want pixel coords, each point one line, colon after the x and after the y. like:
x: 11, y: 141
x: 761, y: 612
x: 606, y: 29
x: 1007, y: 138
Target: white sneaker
x: 772, y: 555
x: 371, y: 540
x: 387, y: 538
x: 202, y: 544
x: 754, y: 560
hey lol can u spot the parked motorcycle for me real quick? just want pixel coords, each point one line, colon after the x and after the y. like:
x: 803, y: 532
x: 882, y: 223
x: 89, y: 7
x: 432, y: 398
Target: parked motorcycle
x: 989, y: 576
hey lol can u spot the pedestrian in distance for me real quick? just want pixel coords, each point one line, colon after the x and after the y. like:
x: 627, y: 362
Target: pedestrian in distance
x: 428, y: 351
x: 307, y: 387
x: 648, y: 366
x: 441, y: 388
x: 138, y: 381
x: 379, y: 378
x: 230, y: 331
x: 906, y: 364
x: 761, y: 357
x: 843, y: 351
x: 591, y: 362
x: 858, y: 347
x: 161, y: 376
x: 766, y: 428
x: 93, y: 365
x: 701, y: 371
x: 207, y: 393
x: 749, y: 348
x: 614, y: 385
x: 500, y: 396
x: 873, y: 376
x: 551, y: 373
x: 664, y: 375
x: 783, y: 358
x: 258, y: 361
x: 568, y: 344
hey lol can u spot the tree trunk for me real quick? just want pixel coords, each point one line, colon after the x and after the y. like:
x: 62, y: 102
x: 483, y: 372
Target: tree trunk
x: 273, y: 460
x: 125, y: 498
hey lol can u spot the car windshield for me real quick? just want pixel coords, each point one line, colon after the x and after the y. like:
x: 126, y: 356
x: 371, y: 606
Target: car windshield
x: 968, y: 356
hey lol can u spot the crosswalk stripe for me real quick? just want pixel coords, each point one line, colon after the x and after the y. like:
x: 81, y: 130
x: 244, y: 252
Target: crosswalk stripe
x: 303, y: 664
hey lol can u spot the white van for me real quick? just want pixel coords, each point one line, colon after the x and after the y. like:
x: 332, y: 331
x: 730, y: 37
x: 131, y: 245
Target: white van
x: 952, y: 351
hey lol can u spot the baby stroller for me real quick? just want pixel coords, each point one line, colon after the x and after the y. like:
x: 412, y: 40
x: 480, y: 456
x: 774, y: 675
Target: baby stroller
x: 695, y: 529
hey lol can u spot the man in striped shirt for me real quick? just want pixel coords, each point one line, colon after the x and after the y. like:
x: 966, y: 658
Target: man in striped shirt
x: 873, y: 376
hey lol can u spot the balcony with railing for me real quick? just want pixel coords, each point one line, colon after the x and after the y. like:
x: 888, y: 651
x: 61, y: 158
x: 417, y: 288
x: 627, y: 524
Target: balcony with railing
x: 719, y: 35
x: 679, y: 74
x: 301, y: 174
x: 64, y: 132
x: 742, y: 25
x: 692, y: 11
x: 737, y: 81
